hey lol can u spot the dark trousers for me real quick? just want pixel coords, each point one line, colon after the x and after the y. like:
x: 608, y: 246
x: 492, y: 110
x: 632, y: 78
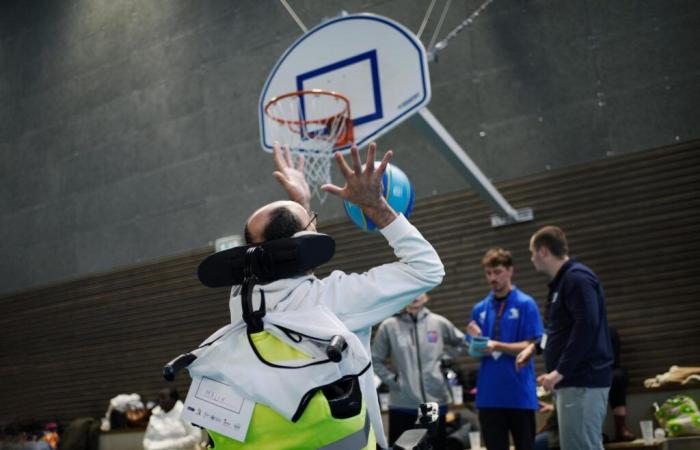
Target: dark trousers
x: 498, y: 423
x: 618, y: 390
x: 401, y: 420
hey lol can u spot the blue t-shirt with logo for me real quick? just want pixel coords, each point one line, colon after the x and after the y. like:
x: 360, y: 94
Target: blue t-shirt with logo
x: 499, y: 385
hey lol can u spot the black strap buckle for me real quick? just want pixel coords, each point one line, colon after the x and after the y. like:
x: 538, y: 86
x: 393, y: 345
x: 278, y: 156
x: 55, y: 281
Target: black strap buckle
x: 254, y: 260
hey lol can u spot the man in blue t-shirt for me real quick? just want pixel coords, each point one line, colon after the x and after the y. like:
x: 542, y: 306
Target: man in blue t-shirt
x: 505, y: 396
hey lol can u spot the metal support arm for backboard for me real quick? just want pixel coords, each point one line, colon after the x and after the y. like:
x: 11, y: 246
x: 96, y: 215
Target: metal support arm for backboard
x: 505, y: 214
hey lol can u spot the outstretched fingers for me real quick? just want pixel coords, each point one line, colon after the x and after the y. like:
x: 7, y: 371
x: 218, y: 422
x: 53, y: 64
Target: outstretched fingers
x: 379, y: 172
x: 342, y: 165
x: 332, y: 189
x: 371, y: 153
x: 356, y: 165
x: 360, y: 184
x: 277, y: 157
x: 282, y: 157
x: 281, y: 179
x: 288, y: 156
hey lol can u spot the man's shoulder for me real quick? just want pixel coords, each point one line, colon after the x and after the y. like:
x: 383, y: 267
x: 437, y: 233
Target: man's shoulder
x: 481, y: 304
x: 578, y: 268
x: 440, y: 319
x: 436, y: 316
x: 335, y: 274
x: 390, y: 321
x: 157, y: 413
x: 523, y: 297
x: 580, y: 273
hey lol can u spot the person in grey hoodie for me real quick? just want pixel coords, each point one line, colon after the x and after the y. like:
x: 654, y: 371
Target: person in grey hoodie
x: 415, y: 340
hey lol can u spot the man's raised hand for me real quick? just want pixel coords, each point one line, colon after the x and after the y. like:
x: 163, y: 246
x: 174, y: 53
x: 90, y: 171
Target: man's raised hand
x: 363, y: 186
x: 290, y: 177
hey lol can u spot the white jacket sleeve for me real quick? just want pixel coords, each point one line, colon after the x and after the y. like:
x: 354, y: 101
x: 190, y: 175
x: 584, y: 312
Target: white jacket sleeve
x: 362, y: 300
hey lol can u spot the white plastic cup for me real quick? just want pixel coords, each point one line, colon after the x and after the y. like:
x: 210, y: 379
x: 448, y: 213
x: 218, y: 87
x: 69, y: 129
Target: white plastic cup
x: 647, y: 427
x: 475, y: 440
x: 659, y: 434
x: 457, y: 394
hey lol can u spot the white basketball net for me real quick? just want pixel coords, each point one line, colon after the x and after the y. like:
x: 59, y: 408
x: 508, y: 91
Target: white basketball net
x: 312, y: 123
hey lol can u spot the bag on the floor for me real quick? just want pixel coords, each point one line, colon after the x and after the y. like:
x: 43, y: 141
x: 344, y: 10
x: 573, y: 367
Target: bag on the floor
x: 679, y: 415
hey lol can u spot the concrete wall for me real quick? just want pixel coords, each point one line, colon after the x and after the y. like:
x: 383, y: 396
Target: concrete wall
x: 128, y: 129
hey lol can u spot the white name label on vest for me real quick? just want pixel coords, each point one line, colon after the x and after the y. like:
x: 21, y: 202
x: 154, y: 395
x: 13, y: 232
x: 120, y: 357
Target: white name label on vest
x: 217, y: 407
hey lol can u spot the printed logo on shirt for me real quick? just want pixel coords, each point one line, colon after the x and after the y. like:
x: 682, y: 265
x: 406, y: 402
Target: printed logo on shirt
x: 482, y: 317
x: 432, y: 337
x: 513, y: 313
x: 554, y: 297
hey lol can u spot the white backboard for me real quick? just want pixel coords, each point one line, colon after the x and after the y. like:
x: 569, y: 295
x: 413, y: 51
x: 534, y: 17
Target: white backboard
x: 378, y: 64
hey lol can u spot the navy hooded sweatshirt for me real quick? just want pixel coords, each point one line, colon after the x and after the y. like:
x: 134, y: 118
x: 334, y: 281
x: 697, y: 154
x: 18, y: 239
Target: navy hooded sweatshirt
x: 578, y: 340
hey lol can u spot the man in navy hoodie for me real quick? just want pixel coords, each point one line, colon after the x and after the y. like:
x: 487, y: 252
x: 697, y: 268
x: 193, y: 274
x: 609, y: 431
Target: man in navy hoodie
x: 577, y: 348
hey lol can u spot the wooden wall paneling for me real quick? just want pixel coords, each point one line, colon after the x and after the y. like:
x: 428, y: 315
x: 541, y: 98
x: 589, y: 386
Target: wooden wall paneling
x: 65, y: 349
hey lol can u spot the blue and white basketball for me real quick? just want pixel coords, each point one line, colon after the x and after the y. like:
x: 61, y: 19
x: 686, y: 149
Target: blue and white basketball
x: 397, y: 190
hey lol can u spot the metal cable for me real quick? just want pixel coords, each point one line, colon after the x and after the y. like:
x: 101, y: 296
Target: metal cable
x: 425, y: 19
x: 440, y: 22
x: 432, y: 50
x: 296, y: 18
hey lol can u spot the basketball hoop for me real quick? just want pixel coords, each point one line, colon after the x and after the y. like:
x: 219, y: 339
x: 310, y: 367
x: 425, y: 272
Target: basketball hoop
x: 312, y: 123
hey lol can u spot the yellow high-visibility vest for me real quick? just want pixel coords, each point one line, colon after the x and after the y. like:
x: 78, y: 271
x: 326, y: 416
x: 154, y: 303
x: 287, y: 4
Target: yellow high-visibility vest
x: 316, y: 429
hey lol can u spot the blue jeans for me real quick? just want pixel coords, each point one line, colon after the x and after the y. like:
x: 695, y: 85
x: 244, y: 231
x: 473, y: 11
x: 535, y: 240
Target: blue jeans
x: 580, y: 413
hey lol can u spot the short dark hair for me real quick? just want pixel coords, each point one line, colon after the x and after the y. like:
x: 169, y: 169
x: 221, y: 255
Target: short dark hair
x: 497, y: 257
x: 553, y: 238
x: 283, y: 223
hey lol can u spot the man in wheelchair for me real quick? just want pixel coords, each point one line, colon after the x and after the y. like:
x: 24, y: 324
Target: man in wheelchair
x: 298, y: 346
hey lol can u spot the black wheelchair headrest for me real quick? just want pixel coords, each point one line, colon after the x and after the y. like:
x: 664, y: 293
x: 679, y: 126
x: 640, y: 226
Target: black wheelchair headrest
x: 272, y: 260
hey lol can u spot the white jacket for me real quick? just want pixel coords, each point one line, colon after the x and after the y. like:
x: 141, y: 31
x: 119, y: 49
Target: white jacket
x: 166, y: 431
x: 358, y: 300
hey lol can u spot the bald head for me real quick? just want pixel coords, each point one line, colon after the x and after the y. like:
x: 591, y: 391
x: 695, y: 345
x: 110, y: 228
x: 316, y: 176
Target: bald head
x: 277, y: 220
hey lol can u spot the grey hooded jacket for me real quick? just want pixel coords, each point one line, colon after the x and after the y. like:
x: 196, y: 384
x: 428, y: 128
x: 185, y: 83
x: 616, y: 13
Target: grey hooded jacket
x: 415, y: 348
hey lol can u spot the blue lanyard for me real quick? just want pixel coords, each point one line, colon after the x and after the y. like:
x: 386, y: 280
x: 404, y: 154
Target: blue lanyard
x: 496, y: 331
